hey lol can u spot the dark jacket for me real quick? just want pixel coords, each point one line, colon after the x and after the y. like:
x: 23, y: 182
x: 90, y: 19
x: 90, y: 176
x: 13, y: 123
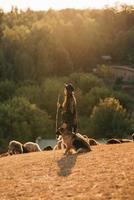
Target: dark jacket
x: 69, y: 113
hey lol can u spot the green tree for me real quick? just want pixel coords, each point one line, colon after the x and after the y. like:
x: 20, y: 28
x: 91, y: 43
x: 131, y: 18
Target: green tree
x: 23, y: 121
x: 87, y: 101
x: 109, y: 119
x: 7, y: 90
x: 85, y: 81
x: 50, y: 89
x: 31, y: 91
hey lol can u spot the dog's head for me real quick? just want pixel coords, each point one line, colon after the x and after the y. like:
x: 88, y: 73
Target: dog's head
x: 59, y: 132
x: 61, y: 129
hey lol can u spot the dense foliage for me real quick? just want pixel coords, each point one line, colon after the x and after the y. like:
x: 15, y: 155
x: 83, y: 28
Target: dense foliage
x: 36, y: 44
x: 111, y: 117
x: 40, y: 51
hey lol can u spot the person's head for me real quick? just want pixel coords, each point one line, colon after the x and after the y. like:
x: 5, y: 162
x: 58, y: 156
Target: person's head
x: 69, y: 89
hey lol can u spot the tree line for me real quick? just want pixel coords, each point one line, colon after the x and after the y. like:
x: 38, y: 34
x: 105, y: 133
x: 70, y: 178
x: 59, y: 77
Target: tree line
x: 40, y: 51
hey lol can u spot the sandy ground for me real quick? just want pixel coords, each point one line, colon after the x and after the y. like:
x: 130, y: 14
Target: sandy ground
x: 107, y: 172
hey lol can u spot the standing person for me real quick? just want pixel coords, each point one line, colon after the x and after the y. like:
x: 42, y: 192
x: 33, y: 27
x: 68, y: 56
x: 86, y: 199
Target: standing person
x: 68, y: 108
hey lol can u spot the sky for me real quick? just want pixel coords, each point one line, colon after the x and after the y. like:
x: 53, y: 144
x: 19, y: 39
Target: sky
x: 60, y: 4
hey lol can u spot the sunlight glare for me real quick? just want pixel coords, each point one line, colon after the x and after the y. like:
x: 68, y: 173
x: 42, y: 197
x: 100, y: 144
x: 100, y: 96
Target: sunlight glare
x: 59, y: 4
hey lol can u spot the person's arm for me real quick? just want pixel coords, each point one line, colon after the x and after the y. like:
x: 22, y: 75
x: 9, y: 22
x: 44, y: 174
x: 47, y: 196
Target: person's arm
x: 59, y: 106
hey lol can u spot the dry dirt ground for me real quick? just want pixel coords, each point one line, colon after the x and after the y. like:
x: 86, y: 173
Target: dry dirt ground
x: 107, y: 172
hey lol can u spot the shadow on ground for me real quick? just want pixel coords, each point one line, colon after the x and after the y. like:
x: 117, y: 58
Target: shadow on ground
x: 66, y: 163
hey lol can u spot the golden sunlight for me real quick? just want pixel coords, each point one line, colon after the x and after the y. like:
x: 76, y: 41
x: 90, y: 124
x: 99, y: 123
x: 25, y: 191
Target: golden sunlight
x: 60, y: 4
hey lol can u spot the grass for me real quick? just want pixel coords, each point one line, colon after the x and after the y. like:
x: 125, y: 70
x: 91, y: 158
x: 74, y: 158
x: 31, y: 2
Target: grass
x: 107, y: 172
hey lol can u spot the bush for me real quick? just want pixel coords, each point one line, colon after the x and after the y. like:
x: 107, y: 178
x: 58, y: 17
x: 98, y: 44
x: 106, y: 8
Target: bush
x: 109, y: 119
x: 23, y: 121
x: 7, y: 90
x: 51, y: 88
x: 85, y: 81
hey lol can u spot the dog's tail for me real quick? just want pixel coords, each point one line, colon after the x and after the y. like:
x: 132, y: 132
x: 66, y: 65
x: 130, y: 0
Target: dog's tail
x: 82, y: 137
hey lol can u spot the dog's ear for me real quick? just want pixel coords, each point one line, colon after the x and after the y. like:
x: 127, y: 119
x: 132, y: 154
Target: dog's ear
x: 57, y: 133
x: 64, y: 126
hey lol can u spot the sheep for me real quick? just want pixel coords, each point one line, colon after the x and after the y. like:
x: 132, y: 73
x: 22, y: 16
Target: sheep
x: 125, y: 140
x: 15, y: 147
x: 91, y: 141
x: 47, y: 148
x: 30, y: 147
x: 113, y: 141
x: 133, y: 137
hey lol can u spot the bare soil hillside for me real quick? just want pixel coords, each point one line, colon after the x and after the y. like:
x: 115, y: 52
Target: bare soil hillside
x: 107, y: 172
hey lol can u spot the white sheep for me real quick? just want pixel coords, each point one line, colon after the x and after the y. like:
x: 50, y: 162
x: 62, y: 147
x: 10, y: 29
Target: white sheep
x: 30, y: 147
x: 15, y: 147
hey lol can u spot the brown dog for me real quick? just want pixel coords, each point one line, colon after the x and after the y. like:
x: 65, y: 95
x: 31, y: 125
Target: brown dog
x: 73, y: 141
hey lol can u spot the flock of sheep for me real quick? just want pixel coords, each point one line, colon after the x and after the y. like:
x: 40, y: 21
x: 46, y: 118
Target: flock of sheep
x: 16, y: 147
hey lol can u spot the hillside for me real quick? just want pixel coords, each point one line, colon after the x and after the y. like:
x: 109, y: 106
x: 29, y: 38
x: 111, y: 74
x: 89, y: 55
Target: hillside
x: 105, y: 173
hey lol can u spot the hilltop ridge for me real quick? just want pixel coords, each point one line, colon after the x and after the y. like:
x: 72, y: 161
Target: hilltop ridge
x: 104, y: 173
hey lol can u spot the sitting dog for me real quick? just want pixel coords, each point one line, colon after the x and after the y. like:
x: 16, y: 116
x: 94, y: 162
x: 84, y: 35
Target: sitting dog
x: 60, y: 144
x: 73, y: 141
